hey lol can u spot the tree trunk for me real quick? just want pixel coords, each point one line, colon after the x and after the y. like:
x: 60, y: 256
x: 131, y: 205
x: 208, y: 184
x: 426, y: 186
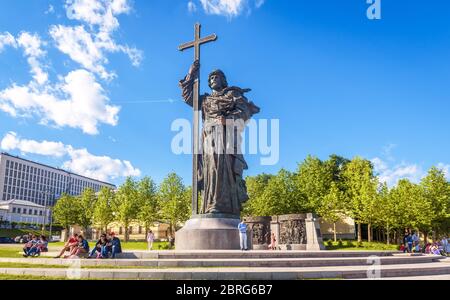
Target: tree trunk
x: 334, y: 231
x: 369, y: 232
x: 425, y: 237
x: 359, y: 233
x: 387, y: 235
x: 66, y: 236
x: 127, y: 234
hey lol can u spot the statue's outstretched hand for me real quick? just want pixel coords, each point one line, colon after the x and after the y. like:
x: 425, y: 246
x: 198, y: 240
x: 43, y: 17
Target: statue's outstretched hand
x: 193, y: 71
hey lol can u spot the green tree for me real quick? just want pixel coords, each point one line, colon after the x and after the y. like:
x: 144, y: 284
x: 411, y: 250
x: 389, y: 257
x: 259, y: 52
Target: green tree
x: 86, y: 203
x: 148, y: 202
x: 412, y: 210
x: 361, y: 190
x: 314, y: 179
x: 66, y: 211
x: 174, y: 201
x: 437, y: 193
x: 126, y: 205
x: 103, y: 213
x: 332, y: 207
x: 256, y: 186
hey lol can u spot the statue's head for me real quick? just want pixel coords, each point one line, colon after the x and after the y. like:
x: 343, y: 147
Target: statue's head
x: 217, y: 80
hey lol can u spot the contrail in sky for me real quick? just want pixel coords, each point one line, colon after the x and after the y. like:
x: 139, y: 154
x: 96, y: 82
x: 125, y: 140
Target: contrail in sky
x: 146, y: 101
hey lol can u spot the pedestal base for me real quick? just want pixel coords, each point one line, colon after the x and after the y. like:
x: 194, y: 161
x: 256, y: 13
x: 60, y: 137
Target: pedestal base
x: 208, y: 234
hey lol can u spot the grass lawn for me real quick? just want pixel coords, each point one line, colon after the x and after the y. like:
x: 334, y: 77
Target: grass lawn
x: 365, y: 246
x: 27, y: 277
x: 12, y: 251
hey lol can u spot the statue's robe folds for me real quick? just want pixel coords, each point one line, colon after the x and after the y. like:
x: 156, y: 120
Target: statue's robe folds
x: 222, y: 164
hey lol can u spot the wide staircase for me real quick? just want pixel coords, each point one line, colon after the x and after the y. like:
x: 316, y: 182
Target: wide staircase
x: 237, y: 265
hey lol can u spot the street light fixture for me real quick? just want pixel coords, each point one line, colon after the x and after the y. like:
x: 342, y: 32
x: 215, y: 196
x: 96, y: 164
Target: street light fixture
x: 46, y: 193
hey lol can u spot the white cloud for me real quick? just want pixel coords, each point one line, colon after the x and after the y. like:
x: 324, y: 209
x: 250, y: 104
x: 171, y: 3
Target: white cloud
x: 229, y: 8
x: 32, y: 49
x: 78, y: 101
x: 12, y: 142
x: 446, y: 169
x: 7, y: 39
x: 88, y: 45
x: 192, y: 7
x: 78, y: 44
x: 259, y: 3
x: 50, y: 10
x: 79, y: 161
x: 99, y: 167
x: 392, y: 174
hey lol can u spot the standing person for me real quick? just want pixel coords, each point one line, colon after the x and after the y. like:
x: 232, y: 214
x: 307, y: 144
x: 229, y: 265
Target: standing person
x: 407, y: 240
x: 444, y: 244
x: 243, y: 235
x: 415, y: 238
x: 273, y: 241
x: 150, y: 240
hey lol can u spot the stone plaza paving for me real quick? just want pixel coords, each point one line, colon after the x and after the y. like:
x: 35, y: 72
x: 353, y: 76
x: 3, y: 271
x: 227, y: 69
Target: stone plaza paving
x: 237, y: 265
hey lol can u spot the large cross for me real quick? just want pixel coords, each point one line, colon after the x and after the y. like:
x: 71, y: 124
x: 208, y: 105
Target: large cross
x: 195, y: 135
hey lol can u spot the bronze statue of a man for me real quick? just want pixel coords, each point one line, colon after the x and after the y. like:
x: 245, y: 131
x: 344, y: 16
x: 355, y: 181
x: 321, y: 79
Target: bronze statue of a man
x: 225, y: 112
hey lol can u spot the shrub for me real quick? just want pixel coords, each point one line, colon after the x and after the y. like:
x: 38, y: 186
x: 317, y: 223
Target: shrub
x: 329, y: 243
x: 349, y: 244
x: 340, y: 244
x: 360, y: 244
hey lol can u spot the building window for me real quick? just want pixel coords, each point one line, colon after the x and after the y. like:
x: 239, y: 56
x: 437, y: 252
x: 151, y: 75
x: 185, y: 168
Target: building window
x: 130, y: 230
x: 40, y: 212
x: 14, y: 210
x: 120, y: 230
x: 140, y: 229
x: 18, y: 210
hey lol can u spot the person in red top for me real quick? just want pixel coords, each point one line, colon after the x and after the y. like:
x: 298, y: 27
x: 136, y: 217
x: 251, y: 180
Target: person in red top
x: 71, y: 243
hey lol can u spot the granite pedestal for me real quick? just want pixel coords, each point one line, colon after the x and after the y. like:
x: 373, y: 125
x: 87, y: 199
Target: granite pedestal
x: 209, y: 232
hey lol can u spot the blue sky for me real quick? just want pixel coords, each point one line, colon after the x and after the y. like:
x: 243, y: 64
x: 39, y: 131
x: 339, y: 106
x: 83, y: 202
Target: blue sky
x: 337, y: 81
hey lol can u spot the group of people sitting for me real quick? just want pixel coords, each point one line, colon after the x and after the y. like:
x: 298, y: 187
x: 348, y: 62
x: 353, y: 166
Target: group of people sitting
x: 411, y: 244
x: 35, y: 246
x: 108, y: 246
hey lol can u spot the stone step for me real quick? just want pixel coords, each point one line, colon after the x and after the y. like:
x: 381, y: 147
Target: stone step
x: 197, y: 263
x: 242, y: 254
x: 346, y: 272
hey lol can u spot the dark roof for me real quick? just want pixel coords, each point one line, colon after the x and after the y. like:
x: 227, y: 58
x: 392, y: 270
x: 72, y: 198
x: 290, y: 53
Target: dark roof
x: 58, y: 169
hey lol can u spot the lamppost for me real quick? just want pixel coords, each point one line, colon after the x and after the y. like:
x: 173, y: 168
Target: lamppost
x: 46, y: 193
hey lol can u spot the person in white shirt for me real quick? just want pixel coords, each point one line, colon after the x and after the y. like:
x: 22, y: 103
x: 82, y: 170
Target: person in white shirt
x: 150, y: 240
x: 243, y: 235
x: 415, y: 238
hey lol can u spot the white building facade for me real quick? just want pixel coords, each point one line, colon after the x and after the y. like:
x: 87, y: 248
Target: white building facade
x: 20, y: 211
x: 22, y: 179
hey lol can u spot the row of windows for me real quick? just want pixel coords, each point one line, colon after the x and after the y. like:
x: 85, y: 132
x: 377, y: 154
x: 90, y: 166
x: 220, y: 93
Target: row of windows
x: 14, y: 169
x: 25, y: 182
x: 25, y: 211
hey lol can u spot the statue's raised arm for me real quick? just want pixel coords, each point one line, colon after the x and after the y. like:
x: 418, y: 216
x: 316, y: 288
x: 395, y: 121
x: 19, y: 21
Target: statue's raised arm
x: 187, y: 84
